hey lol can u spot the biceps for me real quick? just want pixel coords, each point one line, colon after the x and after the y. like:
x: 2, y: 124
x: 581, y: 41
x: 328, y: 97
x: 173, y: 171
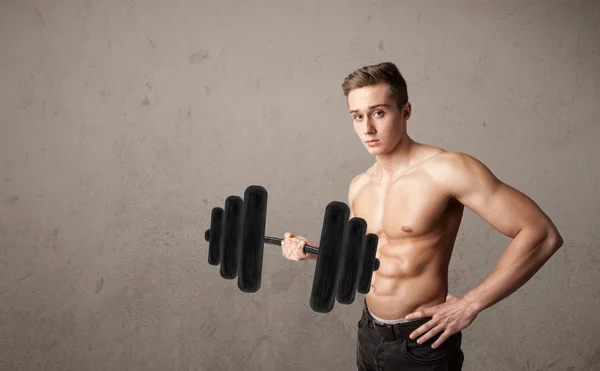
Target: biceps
x: 507, y: 209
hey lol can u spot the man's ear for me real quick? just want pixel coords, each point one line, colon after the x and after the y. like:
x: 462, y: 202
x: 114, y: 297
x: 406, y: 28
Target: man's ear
x: 407, y: 111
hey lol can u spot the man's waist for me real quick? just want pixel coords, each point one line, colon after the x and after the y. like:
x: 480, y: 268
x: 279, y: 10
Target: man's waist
x: 396, y: 329
x: 388, y: 321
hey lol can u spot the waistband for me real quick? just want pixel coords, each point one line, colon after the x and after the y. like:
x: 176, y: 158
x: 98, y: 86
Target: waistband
x: 389, y: 322
x: 396, y: 331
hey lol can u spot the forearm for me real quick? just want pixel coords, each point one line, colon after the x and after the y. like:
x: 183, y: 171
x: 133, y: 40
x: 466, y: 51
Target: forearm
x: 526, y: 254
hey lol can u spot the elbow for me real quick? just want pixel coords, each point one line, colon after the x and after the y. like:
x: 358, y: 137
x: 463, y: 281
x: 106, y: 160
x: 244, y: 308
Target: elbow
x: 548, y: 239
x: 554, y: 240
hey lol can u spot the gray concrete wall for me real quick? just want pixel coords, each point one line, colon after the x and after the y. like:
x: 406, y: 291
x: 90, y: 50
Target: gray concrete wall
x: 123, y: 123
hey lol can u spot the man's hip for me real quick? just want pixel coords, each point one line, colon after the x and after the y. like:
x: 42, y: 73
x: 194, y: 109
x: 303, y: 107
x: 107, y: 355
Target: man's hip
x: 383, y: 346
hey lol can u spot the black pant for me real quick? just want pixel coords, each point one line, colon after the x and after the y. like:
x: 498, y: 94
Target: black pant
x: 388, y: 347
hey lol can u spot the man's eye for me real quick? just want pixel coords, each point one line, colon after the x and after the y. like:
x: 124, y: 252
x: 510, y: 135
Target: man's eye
x: 379, y: 113
x: 357, y: 117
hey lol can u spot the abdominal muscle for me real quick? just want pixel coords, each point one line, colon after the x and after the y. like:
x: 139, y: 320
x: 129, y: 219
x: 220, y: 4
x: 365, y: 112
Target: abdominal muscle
x: 411, y: 276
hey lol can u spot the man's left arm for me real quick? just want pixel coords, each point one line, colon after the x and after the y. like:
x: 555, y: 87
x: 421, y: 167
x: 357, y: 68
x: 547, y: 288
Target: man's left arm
x: 535, y: 240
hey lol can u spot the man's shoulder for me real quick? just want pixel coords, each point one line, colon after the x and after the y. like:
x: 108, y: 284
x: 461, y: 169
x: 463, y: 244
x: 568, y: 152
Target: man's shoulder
x: 434, y: 157
x: 359, y: 181
x: 449, y: 163
x: 364, y: 176
x: 459, y: 170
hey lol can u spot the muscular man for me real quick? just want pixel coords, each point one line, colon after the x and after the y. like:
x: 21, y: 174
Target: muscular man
x: 413, y: 199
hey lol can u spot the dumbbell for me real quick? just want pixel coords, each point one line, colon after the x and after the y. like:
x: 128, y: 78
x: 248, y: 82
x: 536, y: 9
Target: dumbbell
x: 345, y: 259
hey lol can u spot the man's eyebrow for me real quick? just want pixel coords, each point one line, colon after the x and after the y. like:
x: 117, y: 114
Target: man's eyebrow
x: 371, y: 107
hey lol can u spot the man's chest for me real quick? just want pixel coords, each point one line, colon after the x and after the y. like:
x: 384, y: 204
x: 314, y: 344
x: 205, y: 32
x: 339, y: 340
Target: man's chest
x: 403, y: 209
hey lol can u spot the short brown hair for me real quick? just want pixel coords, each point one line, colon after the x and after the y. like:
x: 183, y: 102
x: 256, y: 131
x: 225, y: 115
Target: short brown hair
x: 386, y: 73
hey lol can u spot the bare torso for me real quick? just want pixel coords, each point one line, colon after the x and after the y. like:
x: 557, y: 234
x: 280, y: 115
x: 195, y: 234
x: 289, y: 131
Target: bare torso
x: 417, y: 223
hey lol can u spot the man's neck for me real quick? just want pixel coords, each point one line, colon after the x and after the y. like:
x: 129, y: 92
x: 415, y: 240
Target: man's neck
x: 398, y: 160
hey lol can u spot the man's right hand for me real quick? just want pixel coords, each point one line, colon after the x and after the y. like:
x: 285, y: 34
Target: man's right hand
x: 292, y: 247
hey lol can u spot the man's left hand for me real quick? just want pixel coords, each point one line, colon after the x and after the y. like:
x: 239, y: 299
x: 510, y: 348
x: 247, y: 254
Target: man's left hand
x: 450, y: 317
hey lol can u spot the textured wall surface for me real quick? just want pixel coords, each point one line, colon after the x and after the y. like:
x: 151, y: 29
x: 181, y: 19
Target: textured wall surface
x: 123, y: 123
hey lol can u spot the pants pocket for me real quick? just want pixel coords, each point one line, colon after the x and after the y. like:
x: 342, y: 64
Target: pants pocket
x: 423, y: 353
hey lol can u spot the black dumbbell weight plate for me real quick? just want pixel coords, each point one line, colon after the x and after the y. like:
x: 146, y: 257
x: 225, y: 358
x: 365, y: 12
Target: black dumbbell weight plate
x: 251, y: 255
x: 367, y: 263
x: 351, y: 254
x: 230, y: 253
x: 214, y: 236
x: 330, y: 248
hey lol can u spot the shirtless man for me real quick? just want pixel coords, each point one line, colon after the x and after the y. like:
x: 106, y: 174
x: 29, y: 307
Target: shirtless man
x: 413, y: 198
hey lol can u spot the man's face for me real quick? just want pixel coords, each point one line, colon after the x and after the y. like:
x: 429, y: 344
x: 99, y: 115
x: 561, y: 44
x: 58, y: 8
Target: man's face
x: 378, y: 121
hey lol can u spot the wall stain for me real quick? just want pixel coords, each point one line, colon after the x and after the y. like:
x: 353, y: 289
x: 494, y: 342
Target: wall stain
x: 258, y: 344
x: 24, y: 277
x: 39, y: 15
x: 24, y: 104
x: 99, y: 285
x: 10, y: 200
x: 145, y: 101
x: 150, y: 41
x: 593, y: 359
x: 54, y: 240
x: 212, y: 332
x: 198, y: 57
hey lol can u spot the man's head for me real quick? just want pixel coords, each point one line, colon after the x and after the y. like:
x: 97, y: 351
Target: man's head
x: 383, y: 73
x: 378, y: 101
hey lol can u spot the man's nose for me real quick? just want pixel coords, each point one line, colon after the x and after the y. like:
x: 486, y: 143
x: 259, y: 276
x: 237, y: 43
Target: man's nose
x: 369, y: 127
